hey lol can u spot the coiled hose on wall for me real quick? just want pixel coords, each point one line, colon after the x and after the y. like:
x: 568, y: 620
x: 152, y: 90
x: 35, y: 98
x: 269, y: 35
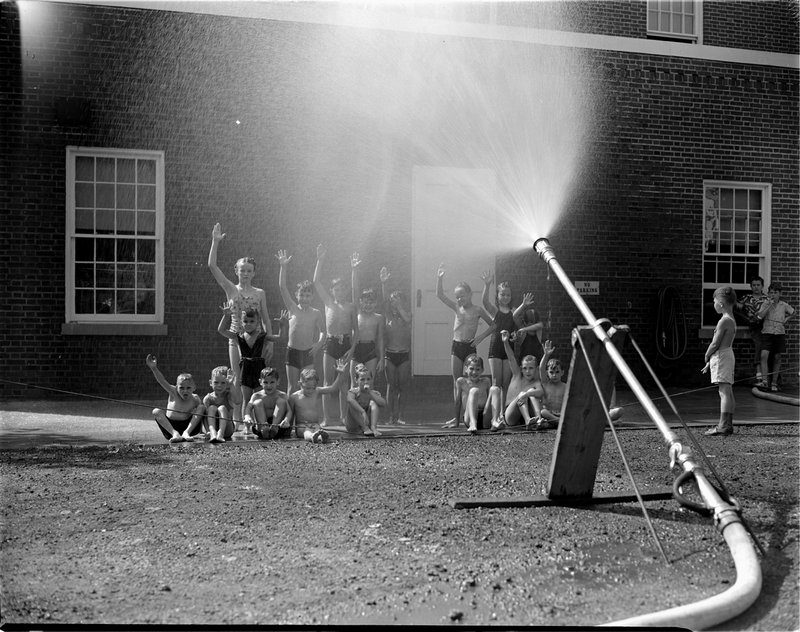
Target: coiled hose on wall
x: 671, y: 337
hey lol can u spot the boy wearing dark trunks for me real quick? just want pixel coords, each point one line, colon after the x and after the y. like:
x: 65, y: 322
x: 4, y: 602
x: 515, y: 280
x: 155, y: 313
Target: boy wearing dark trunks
x: 524, y: 390
x: 478, y: 401
x: 465, y: 328
x: 181, y: 420
x: 554, y: 389
x: 305, y: 403
x: 364, y: 404
x: 397, y: 342
x: 341, y: 325
x: 306, y: 323
x: 369, y: 350
x: 220, y: 403
x: 268, y: 409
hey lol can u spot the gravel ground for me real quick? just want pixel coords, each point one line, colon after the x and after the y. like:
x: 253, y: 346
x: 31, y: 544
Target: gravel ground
x: 364, y: 532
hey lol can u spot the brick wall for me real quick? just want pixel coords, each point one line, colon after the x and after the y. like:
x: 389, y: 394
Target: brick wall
x: 305, y: 155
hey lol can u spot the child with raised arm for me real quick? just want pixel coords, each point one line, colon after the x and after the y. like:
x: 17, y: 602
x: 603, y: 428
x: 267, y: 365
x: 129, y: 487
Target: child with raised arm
x: 243, y: 296
x: 524, y: 390
x: 478, y: 401
x: 225, y: 397
x: 341, y: 324
x: 369, y: 350
x: 528, y: 337
x: 305, y: 403
x: 268, y: 410
x: 364, y: 404
x: 465, y: 328
x: 181, y: 420
x: 397, y: 356
x: 721, y: 361
x: 504, y: 320
x: 306, y: 323
x: 554, y: 389
x: 775, y: 313
x: 252, y: 348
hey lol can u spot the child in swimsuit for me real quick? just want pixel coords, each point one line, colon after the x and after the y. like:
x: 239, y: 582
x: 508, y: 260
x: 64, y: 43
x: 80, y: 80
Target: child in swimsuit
x: 364, y: 404
x: 224, y: 398
x: 720, y: 360
x: 397, y: 336
x: 478, y: 401
x: 268, y: 409
x: 504, y: 320
x: 305, y: 403
x: 369, y: 350
x: 465, y: 328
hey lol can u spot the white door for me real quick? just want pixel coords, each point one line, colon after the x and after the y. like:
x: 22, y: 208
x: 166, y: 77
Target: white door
x: 453, y: 222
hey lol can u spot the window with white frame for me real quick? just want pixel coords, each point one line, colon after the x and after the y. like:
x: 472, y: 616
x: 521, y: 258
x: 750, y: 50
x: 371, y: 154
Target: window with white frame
x: 736, y: 239
x: 114, y: 235
x: 673, y: 18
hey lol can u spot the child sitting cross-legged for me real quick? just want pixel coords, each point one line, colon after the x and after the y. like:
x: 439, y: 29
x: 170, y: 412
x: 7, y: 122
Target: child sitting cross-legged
x: 268, y: 411
x: 221, y: 403
x: 364, y: 404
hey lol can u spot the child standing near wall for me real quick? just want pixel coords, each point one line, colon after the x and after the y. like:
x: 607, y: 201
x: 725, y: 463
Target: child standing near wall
x: 397, y: 335
x: 181, y: 420
x: 369, y: 350
x: 775, y: 313
x: 720, y: 360
x: 529, y: 335
x: 465, y: 328
x: 504, y: 320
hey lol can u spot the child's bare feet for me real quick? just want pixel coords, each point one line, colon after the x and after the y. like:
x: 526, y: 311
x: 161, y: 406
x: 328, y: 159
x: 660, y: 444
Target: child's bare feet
x: 453, y: 423
x: 187, y: 437
x: 376, y: 433
x: 176, y: 438
x: 400, y: 422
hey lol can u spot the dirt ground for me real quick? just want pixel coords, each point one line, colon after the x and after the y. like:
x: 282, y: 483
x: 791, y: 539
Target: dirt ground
x: 365, y: 532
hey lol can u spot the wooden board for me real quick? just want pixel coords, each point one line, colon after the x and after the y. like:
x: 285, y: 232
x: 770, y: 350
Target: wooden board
x: 540, y: 501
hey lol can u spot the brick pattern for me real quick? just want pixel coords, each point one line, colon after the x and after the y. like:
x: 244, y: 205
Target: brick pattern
x: 178, y: 82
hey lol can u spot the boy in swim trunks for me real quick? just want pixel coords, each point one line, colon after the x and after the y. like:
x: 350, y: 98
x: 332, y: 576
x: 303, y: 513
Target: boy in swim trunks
x: 364, y: 405
x: 369, y: 350
x: 220, y: 403
x: 465, y: 327
x: 268, y: 410
x: 524, y: 390
x: 554, y: 390
x: 397, y: 334
x: 478, y: 401
x: 306, y: 324
x: 341, y: 324
x: 720, y: 360
x: 181, y: 420
x: 305, y: 403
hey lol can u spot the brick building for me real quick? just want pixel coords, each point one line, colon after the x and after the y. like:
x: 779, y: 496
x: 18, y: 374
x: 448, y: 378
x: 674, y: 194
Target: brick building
x: 658, y: 153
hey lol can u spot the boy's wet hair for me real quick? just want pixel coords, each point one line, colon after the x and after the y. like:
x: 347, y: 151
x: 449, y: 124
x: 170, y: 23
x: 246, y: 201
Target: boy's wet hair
x: 554, y: 362
x: 473, y: 358
x: 775, y: 287
x: 532, y: 358
x: 465, y: 285
x: 727, y: 294
x: 249, y: 260
x: 362, y: 369
x: 250, y: 313
x: 305, y: 286
x: 369, y: 293
x: 308, y: 374
x: 219, y: 370
x: 184, y: 377
x: 270, y: 372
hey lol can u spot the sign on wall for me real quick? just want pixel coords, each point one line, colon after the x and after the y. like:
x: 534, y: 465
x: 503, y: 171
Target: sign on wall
x: 588, y: 287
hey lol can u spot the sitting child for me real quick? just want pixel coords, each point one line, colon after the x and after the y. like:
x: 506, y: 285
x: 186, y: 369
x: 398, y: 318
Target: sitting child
x: 478, y: 401
x: 364, y: 404
x: 306, y: 403
x: 181, y: 420
x: 524, y: 390
x: 554, y: 389
x: 270, y: 407
x: 220, y: 402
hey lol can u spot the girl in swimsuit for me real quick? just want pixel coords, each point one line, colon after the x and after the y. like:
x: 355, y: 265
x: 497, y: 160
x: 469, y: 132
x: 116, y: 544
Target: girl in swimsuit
x: 504, y: 320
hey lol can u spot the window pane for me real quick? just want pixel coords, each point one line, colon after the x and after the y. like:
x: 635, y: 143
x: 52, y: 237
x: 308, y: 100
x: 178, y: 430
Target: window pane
x: 688, y: 24
x: 105, y: 195
x: 126, y: 275
x: 726, y: 198
x: 145, y: 302
x: 84, y: 195
x: 740, y: 199
x: 752, y: 270
x: 84, y: 249
x: 105, y: 170
x: 84, y: 301
x: 709, y: 271
x: 104, y: 302
x: 126, y: 170
x: 105, y: 250
x: 146, y: 250
x: 147, y: 172
x: 147, y: 197
x: 147, y: 223
x: 105, y: 275
x: 723, y: 272
x: 125, y: 302
x: 710, y: 317
x: 84, y: 275
x: 725, y: 221
x: 652, y: 20
x: 126, y: 250
x: 126, y: 222
x: 126, y: 196
x: 738, y: 272
x: 105, y: 221
x: 755, y: 200
x: 84, y: 221
x: 688, y: 7
x: 146, y: 276
x: 84, y: 168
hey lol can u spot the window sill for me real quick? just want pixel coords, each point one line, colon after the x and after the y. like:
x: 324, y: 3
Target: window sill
x: 113, y: 329
x: 707, y: 333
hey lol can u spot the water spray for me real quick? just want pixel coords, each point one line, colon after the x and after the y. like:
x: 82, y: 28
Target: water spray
x: 725, y: 511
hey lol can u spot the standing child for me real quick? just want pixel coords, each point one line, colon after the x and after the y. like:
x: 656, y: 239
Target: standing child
x: 504, y: 320
x: 465, y: 328
x: 524, y: 390
x: 181, y: 420
x: 305, y: 403
x: 553, y: 388
x: 478, y: 401
x: 775, y: 313
x: 528, y: 337
x: 225, y: 397
x: 750, y: 306
x: 397, y: 336
x: 243, y: 296
x: 369, y: 350
x: 252, y: 349
x: 364, y: 405
x: 341, y: 323
x: 306, y: 323
x: 720, y: 360
x: 270, y: 407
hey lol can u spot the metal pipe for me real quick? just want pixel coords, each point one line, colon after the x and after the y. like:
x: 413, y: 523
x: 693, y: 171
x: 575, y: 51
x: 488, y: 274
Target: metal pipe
x: 745, y: 590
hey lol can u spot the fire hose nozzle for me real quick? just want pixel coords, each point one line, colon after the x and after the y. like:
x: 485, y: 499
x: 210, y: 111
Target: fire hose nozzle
x: 544, y: 249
